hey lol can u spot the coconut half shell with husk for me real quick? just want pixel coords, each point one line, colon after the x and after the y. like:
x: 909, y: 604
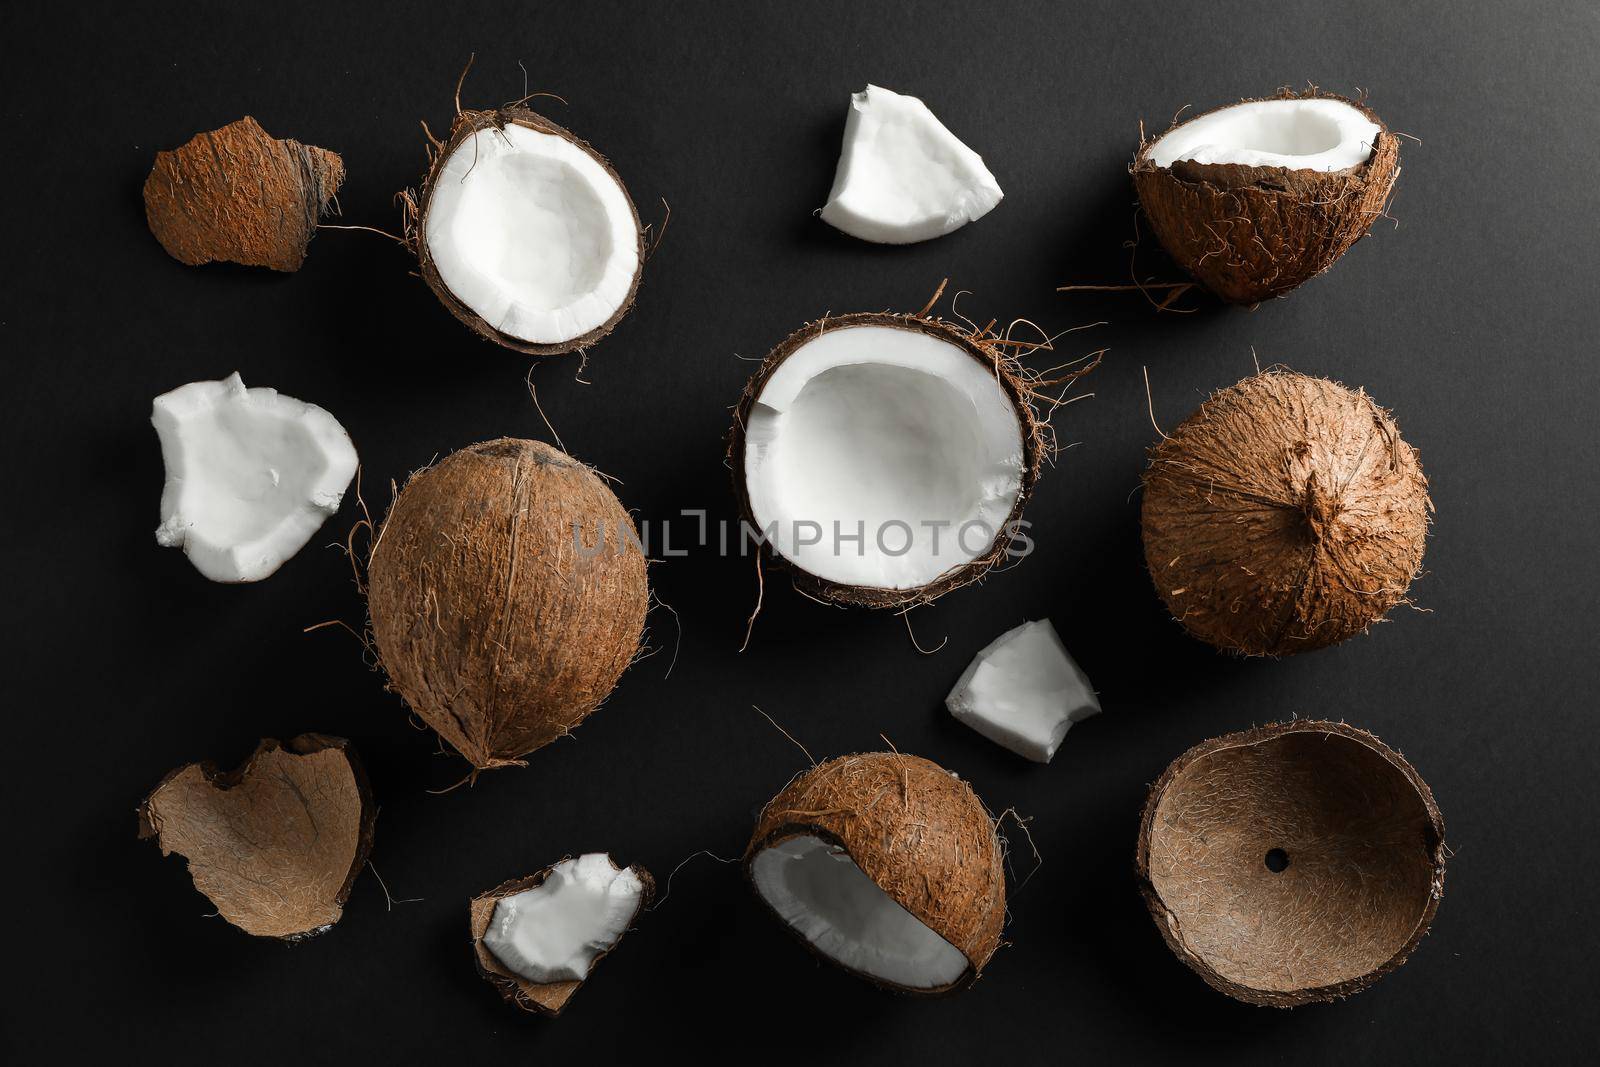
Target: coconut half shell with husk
x: 275, y: 844
x: 1292, y: 863
x: 1256, y: 198
x: 886, y: 865
x: 239, y: 195
x: 1286, y: 514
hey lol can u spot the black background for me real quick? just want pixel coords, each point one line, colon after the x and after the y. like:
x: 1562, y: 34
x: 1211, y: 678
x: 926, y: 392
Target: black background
x: 1474, y: 319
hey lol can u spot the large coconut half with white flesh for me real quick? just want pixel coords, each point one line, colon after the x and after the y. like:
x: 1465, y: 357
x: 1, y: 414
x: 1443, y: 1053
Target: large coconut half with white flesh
x: 507, y: 594
x: 887, y: 865
x: 885, y: 458
x: 1255, y: 198
x: 526, y: 234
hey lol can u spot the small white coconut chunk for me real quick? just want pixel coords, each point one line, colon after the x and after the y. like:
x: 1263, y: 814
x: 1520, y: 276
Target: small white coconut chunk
x: 816, y: 887
x: 553, y: 933
x: 902, y: 176
x: 1314, y: 134
x: 1024, y: 692
x: 533, y: 234
x: 251, y: 475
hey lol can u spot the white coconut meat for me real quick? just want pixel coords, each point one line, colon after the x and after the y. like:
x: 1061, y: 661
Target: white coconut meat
x: 554, y: 933
x: 1310, y: 134
x: 882, y: 457
x: 532, y: 234
x: 251, y: 475
x: 902, y: 176
x: 1024, y: 692
x: 816, y: 888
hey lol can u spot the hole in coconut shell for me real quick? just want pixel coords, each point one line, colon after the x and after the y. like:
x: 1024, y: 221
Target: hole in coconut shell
x: 1277, y: 860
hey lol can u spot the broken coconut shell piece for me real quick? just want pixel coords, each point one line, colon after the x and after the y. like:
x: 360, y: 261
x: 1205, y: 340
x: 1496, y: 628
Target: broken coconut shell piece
x: 886, y: 865
x: 239, y: 195
x: 1286, y: 514
x: 1292, y: 863
x: 1255, y: 198
x: 525, y: 233
x: 275, y: 844
x: 537, y: 939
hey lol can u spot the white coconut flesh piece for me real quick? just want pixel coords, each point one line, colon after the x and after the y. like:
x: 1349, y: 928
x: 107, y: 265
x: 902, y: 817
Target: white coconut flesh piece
x: 815, y: 887
x: 532, y: 234
x: 903, y: 176
x: 1311, y: 134
x: 896, y: 435
x: 1024, y: 692
x: 251, y: 475
x: 553, y: 933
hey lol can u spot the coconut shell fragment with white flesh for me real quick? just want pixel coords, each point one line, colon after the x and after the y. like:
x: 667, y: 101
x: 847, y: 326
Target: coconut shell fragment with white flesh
x: 276, y: 844
x: 251, y: 475
x: 1255, y: 198
x: 1024, y: 692
x: 886, y: 865
x: 239, y: 195
x: 537, y: 939
x: 1286, y: 514
x: 885, y: 458
x: 507, y: 594
x: 526, y: 234
x: 1291, y: 863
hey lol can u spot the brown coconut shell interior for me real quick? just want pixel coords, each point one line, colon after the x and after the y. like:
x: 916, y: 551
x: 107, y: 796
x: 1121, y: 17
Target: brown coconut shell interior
x: 1292, y: 863
x: 275, y: 844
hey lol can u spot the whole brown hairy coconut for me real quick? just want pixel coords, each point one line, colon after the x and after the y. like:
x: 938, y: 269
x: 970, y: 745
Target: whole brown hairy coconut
x: 915, y: 830
x: 237, y: 194
x: 1285, y: 514
x: 507, y: 594
x: 1291, y: 863
x: 1251, y: 232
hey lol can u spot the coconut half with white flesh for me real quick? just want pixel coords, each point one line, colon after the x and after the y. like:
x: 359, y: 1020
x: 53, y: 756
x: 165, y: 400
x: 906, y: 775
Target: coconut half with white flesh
x: 902, y: 176
x: 251, y: 475
x: 1255, y: 198
x: 885, y: 458
x: 1024, y: 692
x: 537, y: 939
x: 887, y: 865
x: 526, y: 233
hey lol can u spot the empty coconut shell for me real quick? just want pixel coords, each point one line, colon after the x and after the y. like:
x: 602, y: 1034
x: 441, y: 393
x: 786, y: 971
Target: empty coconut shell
x: 1285, y: 514
x: 275, y: 844
x: 1292, y: 863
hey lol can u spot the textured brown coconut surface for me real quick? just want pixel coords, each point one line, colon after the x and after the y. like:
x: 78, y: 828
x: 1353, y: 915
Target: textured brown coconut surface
x: 542, y: 998
x: 1292, y: 863
x: 917, y: 831
x: 1286, y: 514
x: 275, y: 844
x: 982, y: 347
x: 239, y: 195
x: 465, y: 125
x: 507, y: 594
x: 1249, y: 233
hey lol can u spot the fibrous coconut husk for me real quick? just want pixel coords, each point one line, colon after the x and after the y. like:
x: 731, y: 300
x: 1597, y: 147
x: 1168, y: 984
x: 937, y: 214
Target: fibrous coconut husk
x: 466, y: 124
x: 1285, y: 514
x: 1249, y: 233
x: 918, y: 831
x: 275, y: 844
x: 1364, y: 846
x: 489, y: 622
x: 239, y: 195
x: 541, y: 998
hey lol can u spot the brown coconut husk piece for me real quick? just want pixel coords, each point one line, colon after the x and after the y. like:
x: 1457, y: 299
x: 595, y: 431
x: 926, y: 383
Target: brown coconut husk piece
x: 1291, y: 863
x: 1249, y: 233
x: 239, y: 195
x: 539, y: 998
x: 918, y: 831
x: 275, y: 844
x: 497, y: 632
x: 1286, y: 514
x: 465, y: 125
